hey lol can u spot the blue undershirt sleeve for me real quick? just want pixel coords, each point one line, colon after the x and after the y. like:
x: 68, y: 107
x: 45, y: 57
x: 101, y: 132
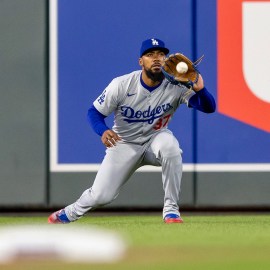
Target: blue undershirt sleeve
x: 203, y: 101
x: 96, y: 120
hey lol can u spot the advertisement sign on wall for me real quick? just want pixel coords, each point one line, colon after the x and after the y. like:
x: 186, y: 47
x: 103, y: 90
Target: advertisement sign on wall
x: 88, y: 49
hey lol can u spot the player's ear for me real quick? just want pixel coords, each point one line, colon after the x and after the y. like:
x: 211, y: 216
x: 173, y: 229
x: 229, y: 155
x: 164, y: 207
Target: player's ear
x: 140, y: 62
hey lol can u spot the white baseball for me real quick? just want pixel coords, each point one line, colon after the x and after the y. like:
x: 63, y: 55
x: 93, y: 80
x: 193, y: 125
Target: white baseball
x: 182, y: 67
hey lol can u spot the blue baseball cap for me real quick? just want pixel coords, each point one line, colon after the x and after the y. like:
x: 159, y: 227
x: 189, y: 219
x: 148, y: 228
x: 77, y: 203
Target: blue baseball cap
x: 153, y: 44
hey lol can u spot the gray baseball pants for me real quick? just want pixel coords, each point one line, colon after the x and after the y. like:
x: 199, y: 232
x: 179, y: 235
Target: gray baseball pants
x: 121, y: 161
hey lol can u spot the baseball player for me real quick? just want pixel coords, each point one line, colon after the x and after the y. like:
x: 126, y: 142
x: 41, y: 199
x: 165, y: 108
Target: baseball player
x: 143, y: 103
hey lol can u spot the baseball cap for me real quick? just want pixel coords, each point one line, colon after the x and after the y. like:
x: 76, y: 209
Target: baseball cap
x: 152, y: 44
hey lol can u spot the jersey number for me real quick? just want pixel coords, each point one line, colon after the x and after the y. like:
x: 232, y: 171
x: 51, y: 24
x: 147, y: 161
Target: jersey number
x: 162, y: 122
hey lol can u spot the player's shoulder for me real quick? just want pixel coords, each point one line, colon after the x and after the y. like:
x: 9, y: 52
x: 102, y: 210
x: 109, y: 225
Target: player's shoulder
x: 128, y: 77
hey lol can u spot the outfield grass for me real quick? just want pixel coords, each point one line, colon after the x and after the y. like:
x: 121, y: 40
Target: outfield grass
x: 203, y: 242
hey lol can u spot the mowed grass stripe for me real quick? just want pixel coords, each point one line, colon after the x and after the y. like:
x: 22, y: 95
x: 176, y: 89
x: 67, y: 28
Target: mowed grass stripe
x: 202, y: 242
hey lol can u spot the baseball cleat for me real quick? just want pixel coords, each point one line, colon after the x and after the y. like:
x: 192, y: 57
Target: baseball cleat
x: 58, y: 217
x: 173, y: 218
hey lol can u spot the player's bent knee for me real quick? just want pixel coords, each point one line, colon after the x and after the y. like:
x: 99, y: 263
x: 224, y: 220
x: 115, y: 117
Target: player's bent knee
x: 170, y: 150
x: 167, y: 146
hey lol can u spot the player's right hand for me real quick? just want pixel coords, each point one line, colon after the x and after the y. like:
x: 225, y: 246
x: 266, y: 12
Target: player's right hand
x: 109, y: 138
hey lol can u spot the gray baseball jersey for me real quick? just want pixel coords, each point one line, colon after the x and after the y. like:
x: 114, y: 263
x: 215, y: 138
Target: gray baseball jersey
x: 138, y: 112
x: 141, y: 120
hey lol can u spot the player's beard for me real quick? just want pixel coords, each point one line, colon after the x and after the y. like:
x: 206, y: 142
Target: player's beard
x: 154, y: 76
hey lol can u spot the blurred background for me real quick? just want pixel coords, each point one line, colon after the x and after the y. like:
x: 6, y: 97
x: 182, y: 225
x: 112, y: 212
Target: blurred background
x: 56, y: 57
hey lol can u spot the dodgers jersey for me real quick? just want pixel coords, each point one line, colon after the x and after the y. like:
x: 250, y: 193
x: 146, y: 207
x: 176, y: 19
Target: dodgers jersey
x: 139, y: 113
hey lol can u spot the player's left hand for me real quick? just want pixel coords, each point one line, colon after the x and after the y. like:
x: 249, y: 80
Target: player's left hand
x: 109, y: 138
x: 199, y: 85
x: 188, y: 76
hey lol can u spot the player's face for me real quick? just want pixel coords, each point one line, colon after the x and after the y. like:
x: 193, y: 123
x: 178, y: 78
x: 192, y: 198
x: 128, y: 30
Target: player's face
x: 151, y: 64
x: 152, y: 60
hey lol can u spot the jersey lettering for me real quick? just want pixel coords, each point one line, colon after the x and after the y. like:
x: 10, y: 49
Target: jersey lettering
x: 162, y: 122
x: 101, y: 98
x: 149, y: 115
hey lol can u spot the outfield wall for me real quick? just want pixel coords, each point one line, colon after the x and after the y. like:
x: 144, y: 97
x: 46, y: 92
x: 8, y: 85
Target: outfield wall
x: 53, y: 69
x: 23, y: 103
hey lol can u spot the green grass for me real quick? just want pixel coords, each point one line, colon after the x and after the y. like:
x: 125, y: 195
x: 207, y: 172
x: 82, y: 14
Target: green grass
x: 202, y: 242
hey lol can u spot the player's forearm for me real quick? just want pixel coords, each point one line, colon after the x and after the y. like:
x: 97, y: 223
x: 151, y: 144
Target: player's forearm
x: 203, y: 101
x: 96, y: 120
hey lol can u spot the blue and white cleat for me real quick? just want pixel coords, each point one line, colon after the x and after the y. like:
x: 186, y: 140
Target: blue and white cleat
x: 173, y: 218
x: 58, y: 217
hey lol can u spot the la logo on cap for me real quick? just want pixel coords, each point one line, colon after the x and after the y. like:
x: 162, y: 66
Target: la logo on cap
x: 154, y: 42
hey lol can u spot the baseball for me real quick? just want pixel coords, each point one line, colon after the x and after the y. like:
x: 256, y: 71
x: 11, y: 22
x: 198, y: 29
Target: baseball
x: 182, y: 67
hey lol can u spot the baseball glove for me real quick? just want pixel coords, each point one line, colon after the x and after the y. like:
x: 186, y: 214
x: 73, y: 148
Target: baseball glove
x: 189, y: 73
